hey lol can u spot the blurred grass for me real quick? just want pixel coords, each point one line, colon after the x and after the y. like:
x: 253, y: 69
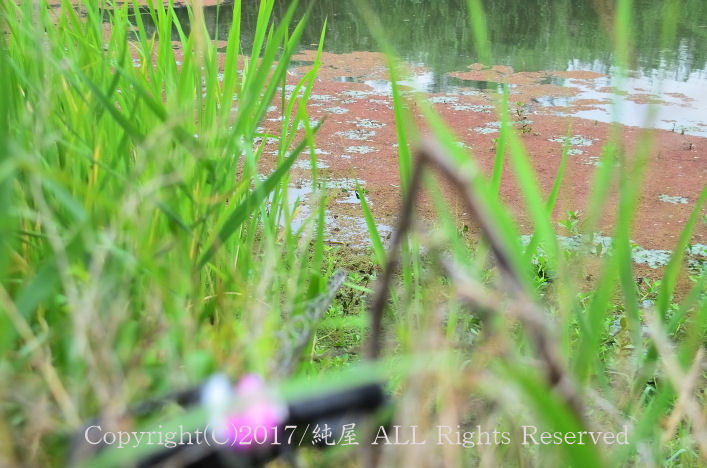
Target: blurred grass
x: 141, y: 250
x: 137, y: 251
x: 600, y: 356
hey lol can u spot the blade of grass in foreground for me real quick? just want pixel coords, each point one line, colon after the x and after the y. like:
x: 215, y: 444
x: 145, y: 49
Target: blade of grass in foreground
x: 494, y: 208
x: 372, y: 229
x: 252, y: 202
x: 528, y: 183
x: 531, y: 250
x: 672, y: 270
x: 500, y: 143
x: 556, y: 415
x: 410, y: 258
x: 477, y: 17
x: 523, y: 171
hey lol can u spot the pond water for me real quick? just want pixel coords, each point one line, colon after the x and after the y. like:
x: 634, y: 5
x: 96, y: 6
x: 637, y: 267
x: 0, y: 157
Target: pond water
x: 557, y: 60
x: 527, y: 35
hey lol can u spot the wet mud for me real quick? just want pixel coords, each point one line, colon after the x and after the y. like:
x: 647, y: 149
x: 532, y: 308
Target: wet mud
x: 358, y: 142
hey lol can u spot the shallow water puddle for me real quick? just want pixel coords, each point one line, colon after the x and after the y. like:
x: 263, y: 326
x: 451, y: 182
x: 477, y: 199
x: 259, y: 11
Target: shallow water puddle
x: 575, y: 140
x: 361, y: 135
x: 675, y: 200
x: 360, y: 149
x: 337, y: 110
x: 549, y: 87
x: 340, y: 228
x: 490, y: 127
x: 653, y: 258
x: 472, y: 108
x: 307, y: 164
x: 653, y: 100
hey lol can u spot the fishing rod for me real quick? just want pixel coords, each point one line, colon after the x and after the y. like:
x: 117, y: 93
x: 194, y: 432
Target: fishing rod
x: 244, y: 425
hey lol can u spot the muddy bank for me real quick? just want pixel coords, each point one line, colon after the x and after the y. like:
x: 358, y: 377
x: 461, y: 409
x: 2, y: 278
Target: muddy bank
x: 358, y: 142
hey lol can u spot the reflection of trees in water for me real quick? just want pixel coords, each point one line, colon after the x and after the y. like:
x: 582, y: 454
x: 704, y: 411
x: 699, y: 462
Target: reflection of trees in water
x: 525, y: 34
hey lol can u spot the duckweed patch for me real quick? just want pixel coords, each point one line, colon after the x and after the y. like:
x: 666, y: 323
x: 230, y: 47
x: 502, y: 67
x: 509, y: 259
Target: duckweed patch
x: 368, y: 123
x: 654, y: 258
x: 360, y: 135
x: 576, y: 140
x: 601, y: 245
x: 360, y: 149
x: 676, y: 200
x: 337, y: 110
x: 443, y: 99
x: 307, y: 164
x: 488, y: 128
x: 473, y: 108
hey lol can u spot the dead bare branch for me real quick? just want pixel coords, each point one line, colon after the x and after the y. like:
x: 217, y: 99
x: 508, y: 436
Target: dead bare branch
x: 526, y: 310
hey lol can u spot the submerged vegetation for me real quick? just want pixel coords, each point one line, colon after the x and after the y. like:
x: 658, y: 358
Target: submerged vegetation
x: 145, y: 243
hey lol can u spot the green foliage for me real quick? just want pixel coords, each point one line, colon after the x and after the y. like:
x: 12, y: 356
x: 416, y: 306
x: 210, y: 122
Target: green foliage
x: 141, y: 248
x: 613, y: 328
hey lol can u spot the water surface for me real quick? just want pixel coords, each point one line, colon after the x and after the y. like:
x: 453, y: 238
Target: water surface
x: 527, y: 35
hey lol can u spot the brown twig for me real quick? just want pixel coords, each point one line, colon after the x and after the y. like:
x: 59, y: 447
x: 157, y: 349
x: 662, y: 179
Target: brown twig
x: 381, y: 296
x: 684, y: 383
x: 525, y: 309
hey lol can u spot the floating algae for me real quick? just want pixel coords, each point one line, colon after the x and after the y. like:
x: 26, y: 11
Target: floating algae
x: 360, y: 135
x: 367, y: 123
x: 360, y: 149
x: 654, y: 258
x: 490, y: 127
x: 576, y: 140
x: 337, y: 110
x: 472, y: 108
x: 603, y: 245
x: 443, y: 99
x: 676, y: 200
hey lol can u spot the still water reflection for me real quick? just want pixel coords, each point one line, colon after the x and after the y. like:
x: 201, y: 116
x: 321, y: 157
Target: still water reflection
x: 527, y: 35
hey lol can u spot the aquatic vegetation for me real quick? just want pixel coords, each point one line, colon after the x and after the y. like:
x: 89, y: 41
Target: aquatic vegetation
x: 654, y: 258
x: 368, y: 123
x: 443, y: 99
x: 615, y: 304
x: 697, y: 250
x: 485, y: 130
x: 575, y: 140
x: 360, y: 149
x: 473, y: 108
x: 337, y: 110
x: 672, y: 199
x: 356, y: 135
x: 356, y: 94
x: 155, y: 233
